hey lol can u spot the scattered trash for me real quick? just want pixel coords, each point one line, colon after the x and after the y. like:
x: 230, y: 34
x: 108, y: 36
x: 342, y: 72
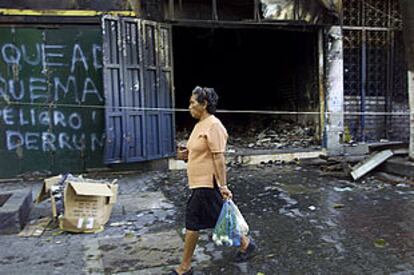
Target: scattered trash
x: 35, y: 228
x: 403, y: 185
x: 338, y: 205
x: 312, y: 208
x: 390, y: 179
x: 57, y: 233
x: 118, y: 224
x: 79, y: 204
x: 380, y: 243
x: 342, y: 189
x: 129, y: 234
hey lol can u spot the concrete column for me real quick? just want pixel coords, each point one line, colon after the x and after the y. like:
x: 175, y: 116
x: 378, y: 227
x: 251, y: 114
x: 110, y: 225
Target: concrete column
x: 334, y: 118
x: 411, y: 105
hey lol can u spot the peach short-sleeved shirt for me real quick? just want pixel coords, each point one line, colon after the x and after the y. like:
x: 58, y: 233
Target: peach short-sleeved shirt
x: 208, y: 136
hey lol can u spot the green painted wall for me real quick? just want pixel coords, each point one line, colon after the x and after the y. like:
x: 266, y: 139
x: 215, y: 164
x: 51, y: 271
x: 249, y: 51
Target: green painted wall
x: 51, y: 99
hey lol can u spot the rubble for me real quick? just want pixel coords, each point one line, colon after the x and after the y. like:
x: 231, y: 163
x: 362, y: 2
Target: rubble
x: 274, y: 134
x: 388, y: 178
x: 336, y: 166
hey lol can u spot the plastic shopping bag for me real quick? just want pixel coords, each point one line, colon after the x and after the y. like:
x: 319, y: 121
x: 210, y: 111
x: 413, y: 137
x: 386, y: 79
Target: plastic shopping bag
x: 230, y: 226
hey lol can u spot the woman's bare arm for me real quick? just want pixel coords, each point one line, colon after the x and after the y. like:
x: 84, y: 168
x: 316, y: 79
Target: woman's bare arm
x: 220, y: 169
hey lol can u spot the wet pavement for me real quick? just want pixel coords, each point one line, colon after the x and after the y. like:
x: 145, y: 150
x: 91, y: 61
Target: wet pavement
x: 302, y: 221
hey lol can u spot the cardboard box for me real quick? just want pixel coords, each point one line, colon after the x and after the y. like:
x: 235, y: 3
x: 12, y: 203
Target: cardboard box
x: 47, y: 185
x: 87, y: 205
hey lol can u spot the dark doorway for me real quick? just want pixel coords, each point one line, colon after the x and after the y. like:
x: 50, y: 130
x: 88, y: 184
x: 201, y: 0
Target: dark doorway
x: 251, y: 69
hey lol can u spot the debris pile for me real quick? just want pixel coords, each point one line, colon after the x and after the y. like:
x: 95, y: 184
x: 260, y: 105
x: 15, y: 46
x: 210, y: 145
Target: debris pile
x: 273, y: 134
x: 278, y: 135
x: 387, y: 165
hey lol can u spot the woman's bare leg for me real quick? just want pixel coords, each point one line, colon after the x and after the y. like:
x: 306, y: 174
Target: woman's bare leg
x: 244, y: 243
x: 190, y: 242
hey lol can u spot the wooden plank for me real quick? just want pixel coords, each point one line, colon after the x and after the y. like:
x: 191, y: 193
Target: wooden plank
x: 369, y: 164
x: 388, y: 178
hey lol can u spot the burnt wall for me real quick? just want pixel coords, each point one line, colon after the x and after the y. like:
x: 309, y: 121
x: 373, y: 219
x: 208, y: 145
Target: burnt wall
x: 101, y: 5
x: 407, y: 11
x: 251, y: 69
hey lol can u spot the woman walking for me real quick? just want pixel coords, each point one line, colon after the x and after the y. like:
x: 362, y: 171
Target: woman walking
x: 206, y: 170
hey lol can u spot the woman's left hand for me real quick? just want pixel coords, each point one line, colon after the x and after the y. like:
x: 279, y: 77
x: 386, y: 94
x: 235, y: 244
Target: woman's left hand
x: 225, y: 192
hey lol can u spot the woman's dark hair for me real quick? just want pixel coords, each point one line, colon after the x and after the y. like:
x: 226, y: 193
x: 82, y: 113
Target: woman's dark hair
x: 208, y: 95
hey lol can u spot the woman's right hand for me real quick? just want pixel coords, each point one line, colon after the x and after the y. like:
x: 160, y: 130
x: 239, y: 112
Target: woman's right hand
x: 225, y: 192
x: 182, y: 153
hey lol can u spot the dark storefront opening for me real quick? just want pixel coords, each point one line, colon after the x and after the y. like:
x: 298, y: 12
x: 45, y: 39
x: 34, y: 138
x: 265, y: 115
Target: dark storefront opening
x: 251, y: 69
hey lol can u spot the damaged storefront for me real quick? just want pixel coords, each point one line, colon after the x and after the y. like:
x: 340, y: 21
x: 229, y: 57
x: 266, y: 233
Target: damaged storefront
x: 267, y: 62
x: 375, y: 72
x: 343, y: 60
x: 111, y: 86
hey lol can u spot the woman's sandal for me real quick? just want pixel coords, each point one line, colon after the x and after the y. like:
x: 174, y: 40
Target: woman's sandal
x: 246, y: 255
x: 188, y: 272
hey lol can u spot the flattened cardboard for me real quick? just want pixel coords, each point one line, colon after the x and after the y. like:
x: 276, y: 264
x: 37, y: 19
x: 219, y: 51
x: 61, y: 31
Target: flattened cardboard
x: 36, y: 229
x: 114, y: 189
x: 88, y: 206
x: 54, y: 207
x: 83, y: 189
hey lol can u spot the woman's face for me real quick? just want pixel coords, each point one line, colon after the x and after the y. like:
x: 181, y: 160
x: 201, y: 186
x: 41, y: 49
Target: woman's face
x: 196, y: 108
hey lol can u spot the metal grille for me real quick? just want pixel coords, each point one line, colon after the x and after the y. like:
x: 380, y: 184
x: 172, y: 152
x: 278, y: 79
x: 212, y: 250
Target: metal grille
x: 372, y: 13
x: 352, y: 12
x: 352, y: 62
x: 376, y: 13
x: 396, y: 20
x: 374, y: 70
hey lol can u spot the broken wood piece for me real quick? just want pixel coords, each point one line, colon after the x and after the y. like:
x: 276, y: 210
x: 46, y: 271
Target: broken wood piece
x: 400, y: 151
x: 332, y: 167
x: 388, y: 178
x: 11, y: 180
x: 36, y: 229
x: 370, y: 163
x: 380, y: 146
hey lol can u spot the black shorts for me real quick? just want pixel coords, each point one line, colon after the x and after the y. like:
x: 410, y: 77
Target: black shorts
x: 203, y: 208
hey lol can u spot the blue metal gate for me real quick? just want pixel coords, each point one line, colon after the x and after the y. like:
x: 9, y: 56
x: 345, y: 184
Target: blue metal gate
x: 138, y: 86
